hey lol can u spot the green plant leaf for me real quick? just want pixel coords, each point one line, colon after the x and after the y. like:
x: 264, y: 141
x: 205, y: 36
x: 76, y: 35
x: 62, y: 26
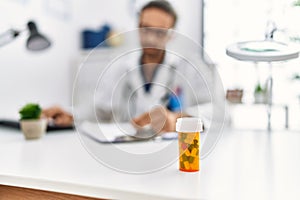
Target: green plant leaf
x: 30, y: 111
x: 296, y: 77
x: 260, y: 89
x: 296, y: 3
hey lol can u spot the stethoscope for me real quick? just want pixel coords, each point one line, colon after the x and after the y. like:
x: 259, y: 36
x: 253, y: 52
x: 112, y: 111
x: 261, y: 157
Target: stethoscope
x: 164, y: 100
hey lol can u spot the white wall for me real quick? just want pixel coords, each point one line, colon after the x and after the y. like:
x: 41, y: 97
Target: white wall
x: 35, y: 77
x: 189, y: 22
x: 46, y: 77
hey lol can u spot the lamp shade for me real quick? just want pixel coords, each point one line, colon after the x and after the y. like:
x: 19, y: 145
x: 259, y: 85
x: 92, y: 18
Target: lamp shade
x: 36, y: 40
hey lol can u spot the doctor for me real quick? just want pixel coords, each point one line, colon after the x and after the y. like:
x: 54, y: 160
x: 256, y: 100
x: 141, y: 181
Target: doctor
x: 145, y: 88
x: 156, y: 65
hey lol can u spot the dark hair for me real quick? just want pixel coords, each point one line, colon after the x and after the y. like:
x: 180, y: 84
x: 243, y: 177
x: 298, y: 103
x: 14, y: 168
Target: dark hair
x: 162, y: 5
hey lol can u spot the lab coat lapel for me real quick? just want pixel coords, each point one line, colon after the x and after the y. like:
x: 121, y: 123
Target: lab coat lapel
x: 161, y: 86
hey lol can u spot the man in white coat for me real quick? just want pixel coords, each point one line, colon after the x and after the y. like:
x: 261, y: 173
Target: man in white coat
x: 152, y: 87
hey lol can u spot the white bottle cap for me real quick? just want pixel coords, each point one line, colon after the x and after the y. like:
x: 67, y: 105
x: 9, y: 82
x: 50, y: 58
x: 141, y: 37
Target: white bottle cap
x: 189, y: 124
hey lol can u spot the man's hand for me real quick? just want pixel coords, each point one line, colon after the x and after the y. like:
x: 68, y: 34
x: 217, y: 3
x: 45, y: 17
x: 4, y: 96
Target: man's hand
x: 58, y: 116
x: 160, y: 119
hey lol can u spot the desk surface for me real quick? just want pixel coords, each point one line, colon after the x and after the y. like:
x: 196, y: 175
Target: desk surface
x: 244, y: 165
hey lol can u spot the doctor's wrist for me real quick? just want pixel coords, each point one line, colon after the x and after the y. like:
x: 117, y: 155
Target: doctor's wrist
x: 180, y: 115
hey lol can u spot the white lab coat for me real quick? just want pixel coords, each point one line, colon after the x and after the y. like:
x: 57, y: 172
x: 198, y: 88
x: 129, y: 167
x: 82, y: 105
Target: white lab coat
x: 120, y: 94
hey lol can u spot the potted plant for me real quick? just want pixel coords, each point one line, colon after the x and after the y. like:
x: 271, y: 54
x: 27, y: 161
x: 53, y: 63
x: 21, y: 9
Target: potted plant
x: 260, y: 94
x: 32, y: 125
x: 292, y: 20
x: 296, y: 3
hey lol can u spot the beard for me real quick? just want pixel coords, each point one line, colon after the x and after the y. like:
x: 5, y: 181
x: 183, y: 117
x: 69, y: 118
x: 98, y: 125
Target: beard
x: 153, y: 52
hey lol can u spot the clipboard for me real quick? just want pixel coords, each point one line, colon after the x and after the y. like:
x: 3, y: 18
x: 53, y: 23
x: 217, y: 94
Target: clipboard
x: 121, y: 133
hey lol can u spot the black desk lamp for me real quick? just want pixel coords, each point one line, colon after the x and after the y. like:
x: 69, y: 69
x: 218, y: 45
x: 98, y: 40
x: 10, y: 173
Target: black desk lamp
x: 35, y: 42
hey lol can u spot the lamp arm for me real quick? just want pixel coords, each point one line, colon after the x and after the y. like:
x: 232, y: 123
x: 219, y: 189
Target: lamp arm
x: 8, y: 36
x: 271, y: 28
x: 35, y: 42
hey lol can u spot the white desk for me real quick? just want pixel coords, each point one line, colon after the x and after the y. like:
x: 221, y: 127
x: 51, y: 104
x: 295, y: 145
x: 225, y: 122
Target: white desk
x: 244, y: 165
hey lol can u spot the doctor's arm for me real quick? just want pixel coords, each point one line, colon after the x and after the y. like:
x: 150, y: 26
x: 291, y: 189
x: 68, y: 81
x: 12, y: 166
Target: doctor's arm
x: 58, y: 116
x: 161, y: 119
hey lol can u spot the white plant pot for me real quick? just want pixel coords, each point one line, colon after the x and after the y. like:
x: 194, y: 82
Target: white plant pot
x: 261, y: 98
x: 33, y: 129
